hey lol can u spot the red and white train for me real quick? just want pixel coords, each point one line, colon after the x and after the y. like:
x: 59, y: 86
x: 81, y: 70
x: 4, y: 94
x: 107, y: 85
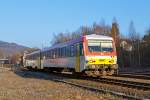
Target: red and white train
x: 91, y: 54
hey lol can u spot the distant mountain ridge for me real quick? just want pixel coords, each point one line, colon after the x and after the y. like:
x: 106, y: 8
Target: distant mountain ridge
x: 8, y: 49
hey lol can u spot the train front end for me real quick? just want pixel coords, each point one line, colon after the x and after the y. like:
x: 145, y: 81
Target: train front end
x: 100, y: 55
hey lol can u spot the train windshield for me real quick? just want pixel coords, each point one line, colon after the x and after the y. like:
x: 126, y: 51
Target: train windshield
x: 100, y: 45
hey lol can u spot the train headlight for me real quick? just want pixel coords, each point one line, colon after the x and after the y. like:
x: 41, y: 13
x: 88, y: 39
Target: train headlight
x: 111, y: 61
x: 92, y: 61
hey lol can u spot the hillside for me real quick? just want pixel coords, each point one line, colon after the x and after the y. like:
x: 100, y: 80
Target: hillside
x: 8, y: 49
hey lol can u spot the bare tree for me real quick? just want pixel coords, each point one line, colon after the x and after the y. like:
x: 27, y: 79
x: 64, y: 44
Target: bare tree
x: 115, y: 33
x: 145, y: 48
x: 15, y: 58
x: 85, y: 30
x: 146, y: 37
x: 134, y: 37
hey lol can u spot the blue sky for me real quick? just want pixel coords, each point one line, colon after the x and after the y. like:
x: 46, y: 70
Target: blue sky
x: 33, y: 22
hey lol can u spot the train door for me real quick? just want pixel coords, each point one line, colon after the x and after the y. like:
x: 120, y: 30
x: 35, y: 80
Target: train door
x: 77, y: 67
x: 38, y: 62
x: 41, y: 61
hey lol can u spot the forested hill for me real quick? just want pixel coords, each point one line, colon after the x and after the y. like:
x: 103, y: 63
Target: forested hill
x: 8, y: 49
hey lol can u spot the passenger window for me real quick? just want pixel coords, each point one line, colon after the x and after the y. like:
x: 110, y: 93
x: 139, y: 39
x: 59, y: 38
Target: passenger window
x: 64, y: 52
x: 72, y: 50
x: 75, y: 49
x: 81, y: 49
x: 68, y: 51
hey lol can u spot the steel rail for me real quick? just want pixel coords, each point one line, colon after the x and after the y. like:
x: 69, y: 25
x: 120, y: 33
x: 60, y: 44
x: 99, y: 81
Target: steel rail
x: 127, y: 83
x: 95, y: 89
x: 137, y: 76
x: 124, y: 83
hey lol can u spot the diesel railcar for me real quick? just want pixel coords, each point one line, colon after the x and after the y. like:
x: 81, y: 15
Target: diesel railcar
x: 89, y: 54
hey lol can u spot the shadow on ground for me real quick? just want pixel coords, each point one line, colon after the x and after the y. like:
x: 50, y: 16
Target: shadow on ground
x: 42, y: 75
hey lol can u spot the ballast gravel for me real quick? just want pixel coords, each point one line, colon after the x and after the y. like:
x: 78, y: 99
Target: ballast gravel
x: 24, y: 85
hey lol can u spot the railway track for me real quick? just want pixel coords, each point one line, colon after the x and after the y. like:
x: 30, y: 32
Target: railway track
x: 125, y: 82
x: 95, y: 89
x: 106, y: 80
x: 136, y: 76
x: 137, y: 73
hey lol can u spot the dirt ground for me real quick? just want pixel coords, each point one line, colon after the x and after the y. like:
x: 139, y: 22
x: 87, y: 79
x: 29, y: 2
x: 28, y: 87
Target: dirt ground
x: 20, y: 85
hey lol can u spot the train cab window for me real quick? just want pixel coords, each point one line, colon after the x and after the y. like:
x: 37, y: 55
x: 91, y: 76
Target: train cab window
x: 100, y: 46
x: 106, y: 47
x: 94, y: 46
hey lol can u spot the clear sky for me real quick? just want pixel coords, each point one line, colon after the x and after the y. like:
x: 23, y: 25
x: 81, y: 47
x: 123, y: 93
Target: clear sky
x: 33, y: 22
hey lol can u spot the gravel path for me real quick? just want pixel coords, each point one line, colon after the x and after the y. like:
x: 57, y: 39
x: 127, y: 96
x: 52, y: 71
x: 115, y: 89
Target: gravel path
x: 39, y: 86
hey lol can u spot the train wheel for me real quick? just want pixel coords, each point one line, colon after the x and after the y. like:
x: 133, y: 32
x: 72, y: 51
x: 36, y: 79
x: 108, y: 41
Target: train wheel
x: 104, y: 73
x: 116, y: 72
x: 111, y: 72
x: 96, y: 73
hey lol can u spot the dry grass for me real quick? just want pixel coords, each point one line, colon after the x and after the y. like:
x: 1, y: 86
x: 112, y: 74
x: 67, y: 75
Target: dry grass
x: 38, y: 86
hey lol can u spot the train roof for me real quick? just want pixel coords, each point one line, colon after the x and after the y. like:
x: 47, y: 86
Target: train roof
x: 95, y: 36
x: 92, y: 36
x: 64, y: 44
x: 34, y: 52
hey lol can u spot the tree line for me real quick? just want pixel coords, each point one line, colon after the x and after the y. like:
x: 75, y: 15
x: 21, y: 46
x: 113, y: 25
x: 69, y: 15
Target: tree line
x: 132, y: 49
